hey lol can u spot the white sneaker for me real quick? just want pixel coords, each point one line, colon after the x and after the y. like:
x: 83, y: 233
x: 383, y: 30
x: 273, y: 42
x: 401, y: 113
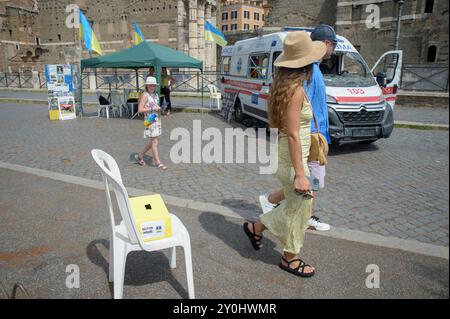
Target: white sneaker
x: 314, y: 223
x: 266, y: 206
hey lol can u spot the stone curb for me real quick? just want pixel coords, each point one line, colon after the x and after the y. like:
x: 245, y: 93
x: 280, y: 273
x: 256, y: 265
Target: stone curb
x: 339, y: 233
x: 421, y: 126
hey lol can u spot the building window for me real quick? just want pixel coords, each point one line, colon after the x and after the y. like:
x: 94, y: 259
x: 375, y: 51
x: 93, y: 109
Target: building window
x: 432, y: 54
x: 10, y: 33
x: 246, y: 14
x: 225, y: 28
x: 234, y: 15
x: 256, y: 27
x: 246, y: 26
x: 225, y: 16
x: 59, y: 37
x: 38, y: 41
x: 234, y: 27
x: 256, y: 16
x: 429, y: 6
x: 263, y: 17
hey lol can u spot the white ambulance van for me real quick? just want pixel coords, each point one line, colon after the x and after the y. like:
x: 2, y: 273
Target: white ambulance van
x: 360, y: 100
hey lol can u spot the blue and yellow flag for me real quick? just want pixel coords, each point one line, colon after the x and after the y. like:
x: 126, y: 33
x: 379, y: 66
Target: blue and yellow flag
x: 138, y: 36
x: 90, y: 40
x: 212, y: 34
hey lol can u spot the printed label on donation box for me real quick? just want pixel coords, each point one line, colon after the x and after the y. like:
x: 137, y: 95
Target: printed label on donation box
x: 152, y: 217
x: 151, y: 230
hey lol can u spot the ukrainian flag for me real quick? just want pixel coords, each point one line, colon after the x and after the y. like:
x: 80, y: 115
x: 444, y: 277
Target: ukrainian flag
x: 90, y: 40
x: 212, y: 34
x: 138, y: 36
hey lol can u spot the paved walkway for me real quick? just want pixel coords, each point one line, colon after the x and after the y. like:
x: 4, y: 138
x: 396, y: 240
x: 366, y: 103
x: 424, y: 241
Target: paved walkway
x: 429, y: 115
x: 396, y: 187
x: 177, y: 102
x: 403, y: 113
x: 46, y: 225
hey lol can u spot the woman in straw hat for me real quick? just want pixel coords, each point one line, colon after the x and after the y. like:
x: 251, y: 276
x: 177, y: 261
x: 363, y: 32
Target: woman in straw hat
x: 148, y: 104
x: 290, y: 112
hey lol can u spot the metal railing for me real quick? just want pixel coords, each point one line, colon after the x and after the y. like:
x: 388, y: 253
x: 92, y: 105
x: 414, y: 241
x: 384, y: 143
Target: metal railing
x: 186, y: 81
x: 425, y: 77
x: 16, y: 80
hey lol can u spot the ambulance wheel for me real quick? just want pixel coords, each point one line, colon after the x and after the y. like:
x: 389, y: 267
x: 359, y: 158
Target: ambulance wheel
x: 238, y: 114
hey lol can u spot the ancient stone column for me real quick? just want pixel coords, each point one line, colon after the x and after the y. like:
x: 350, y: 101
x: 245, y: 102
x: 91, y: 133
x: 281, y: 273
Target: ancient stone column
x: 210, y: 61
x: 181, y: 14
x: 193, y: 28
x: 201, y: 30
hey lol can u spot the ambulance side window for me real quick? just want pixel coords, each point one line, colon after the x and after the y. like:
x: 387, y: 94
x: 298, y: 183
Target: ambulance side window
x: 226, y: 61
x: 274, y: 58
x: 387, y: 66
x: 258, y: 66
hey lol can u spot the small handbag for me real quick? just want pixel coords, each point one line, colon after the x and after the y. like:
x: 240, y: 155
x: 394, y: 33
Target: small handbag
x: 318, y: 151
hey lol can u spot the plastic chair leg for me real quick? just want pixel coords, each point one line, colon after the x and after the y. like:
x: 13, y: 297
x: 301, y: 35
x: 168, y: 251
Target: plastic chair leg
x: 189, y: 272
x: 173, y: 257
x: 107, y: 112
x: 111, y: 259
x: 120, y: 259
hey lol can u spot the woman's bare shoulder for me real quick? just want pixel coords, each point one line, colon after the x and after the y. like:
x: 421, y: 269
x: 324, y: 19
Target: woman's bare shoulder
x: 298, y: 96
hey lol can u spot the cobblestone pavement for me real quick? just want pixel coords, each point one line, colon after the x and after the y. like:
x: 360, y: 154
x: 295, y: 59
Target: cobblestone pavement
x: 396, y: 187
x: 438, y: 115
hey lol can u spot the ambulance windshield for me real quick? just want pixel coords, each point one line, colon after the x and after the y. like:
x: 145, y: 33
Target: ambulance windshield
x: 347, y: 69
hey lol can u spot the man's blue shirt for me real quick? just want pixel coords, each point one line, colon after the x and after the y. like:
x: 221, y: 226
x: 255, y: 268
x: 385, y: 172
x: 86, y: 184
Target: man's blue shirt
x: 317, y: 94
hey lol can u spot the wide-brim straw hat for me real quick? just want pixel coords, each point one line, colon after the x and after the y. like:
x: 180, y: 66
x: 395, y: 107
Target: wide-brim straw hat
x: 300, y: 51
x: 151, y: 81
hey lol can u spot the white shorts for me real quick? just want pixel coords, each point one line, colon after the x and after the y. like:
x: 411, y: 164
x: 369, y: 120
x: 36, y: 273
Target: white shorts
x: 319, y: 172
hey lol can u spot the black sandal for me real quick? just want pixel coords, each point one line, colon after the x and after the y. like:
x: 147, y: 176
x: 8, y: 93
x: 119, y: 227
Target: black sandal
x: 299, y: 271
x: 254, y: 239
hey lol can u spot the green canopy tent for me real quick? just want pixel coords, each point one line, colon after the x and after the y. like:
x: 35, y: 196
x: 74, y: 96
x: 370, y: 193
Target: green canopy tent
x: 144, y: 55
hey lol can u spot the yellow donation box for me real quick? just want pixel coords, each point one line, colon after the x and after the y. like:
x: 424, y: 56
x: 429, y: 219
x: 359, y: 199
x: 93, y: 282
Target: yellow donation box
x: 53, y: 115
x: 152, y: 217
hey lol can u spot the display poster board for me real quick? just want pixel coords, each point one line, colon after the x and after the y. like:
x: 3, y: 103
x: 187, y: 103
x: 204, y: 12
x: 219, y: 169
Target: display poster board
x: 60, y: 90
x: 66, y: 107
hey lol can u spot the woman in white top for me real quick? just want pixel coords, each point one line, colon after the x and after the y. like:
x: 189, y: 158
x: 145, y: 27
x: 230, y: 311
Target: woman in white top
x: 149, y: 105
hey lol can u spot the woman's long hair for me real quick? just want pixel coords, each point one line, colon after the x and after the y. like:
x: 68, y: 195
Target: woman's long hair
x: 285, y: 83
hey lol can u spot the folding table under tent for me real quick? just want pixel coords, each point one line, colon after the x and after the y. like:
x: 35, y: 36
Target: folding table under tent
x: 144, y: 55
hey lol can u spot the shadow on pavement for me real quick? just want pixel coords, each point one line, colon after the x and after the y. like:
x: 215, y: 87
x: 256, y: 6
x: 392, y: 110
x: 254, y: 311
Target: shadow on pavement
x: 352, y: 148
x: 147, y: 158
x: 243, y: 208
x: 142, y: 268
x: 233, y: 235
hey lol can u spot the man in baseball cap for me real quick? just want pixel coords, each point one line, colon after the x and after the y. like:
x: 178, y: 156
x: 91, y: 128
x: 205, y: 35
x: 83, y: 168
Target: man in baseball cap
x: 326, y: 34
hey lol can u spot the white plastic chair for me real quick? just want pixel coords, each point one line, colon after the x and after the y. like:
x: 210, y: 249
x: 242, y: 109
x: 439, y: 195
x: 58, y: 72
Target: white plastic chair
x: 214, y: 95
x: 125, y: 236
x: 117, y: 103
x: 100, y: 107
